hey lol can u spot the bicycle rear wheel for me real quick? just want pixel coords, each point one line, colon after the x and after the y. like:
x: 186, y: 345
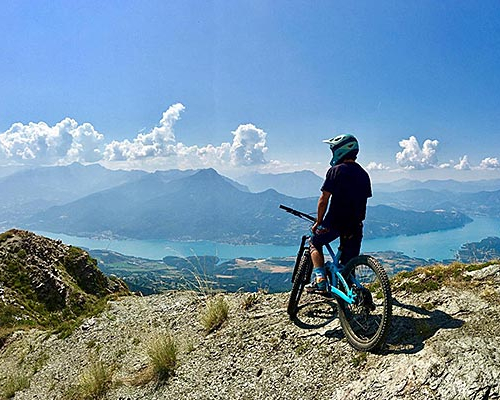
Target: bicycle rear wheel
x: 366, y: 323
x: 302, y: 277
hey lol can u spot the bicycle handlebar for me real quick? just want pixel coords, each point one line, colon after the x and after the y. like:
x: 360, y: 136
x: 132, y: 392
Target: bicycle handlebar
x: 297, y: 213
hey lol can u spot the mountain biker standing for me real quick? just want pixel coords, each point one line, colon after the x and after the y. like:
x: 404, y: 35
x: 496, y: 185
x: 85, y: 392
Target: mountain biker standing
x: 341, y: 207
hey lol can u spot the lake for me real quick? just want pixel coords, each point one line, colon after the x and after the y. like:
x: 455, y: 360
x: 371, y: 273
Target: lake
x: 436, y: 245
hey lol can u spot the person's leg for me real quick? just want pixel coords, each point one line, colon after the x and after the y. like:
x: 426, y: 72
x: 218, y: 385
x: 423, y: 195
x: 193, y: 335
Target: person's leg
x: 318, y: 281
x: 318, y: 259
x: 351, y: 246
x: 317, y: 256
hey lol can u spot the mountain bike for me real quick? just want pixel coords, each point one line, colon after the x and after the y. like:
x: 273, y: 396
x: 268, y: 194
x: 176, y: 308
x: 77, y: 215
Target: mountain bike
x: 361, y: 289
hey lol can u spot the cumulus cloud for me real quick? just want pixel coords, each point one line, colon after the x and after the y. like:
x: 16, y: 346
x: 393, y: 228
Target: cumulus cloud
x: 463, y: 164
x: 68, y: 141
x: 247, y: 149
x: 415, y: 157
x: 160, y: 142
x: 41, y: 144
x: 490, y: 163
x: 249, y: 146
x: 373, y: 166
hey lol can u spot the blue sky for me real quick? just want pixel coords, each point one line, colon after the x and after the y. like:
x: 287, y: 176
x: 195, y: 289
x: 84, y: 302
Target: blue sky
x: 252, y: 85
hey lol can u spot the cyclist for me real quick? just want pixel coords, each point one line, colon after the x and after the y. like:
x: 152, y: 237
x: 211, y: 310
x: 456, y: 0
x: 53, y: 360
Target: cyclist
x: 341, y: 208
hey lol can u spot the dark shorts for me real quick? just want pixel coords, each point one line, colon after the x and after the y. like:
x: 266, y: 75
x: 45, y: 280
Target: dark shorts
x: 350, y: 243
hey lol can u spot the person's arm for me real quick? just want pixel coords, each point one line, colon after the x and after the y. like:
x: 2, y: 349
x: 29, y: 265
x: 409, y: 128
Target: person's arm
x: 322, y: 206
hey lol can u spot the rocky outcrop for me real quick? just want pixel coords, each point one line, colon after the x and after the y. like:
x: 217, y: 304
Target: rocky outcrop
x: 443, y: 344
x: 45, y: 282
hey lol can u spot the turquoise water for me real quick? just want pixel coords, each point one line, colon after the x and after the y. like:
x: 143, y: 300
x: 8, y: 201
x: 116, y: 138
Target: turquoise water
x: 437, y: 245
x: 157, y: 249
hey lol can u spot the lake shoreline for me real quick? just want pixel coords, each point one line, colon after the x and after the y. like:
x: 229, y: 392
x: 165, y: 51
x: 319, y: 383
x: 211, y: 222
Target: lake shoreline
x: 439, y: 245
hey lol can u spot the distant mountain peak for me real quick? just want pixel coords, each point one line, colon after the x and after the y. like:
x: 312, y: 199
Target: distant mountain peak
x: 208, y: 175
x: 208, y: 172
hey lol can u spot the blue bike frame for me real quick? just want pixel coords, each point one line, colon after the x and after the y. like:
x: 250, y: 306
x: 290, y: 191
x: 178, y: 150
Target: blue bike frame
x: 333, y: 268
x: 335, y: 272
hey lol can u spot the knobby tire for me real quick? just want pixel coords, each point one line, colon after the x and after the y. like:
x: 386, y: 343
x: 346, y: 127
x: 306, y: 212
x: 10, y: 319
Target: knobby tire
x: 302, y: 277
x: 365, y: 328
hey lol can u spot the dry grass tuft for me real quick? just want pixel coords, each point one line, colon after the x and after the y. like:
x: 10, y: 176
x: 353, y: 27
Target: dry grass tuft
x: 93, y: 383
x: 163, y: 353
x: 215, y: 313
x: 14, y: 383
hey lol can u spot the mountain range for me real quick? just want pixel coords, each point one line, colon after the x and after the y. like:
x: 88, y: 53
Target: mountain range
x: 449, y: 185
x: 204, y: 205
x: 307, y: 183
x: 31, y: 190
x: 200, y: 206
x: 480, y: 203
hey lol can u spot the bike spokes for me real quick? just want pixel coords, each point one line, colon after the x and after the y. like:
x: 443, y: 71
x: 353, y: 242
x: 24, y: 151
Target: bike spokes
x: 366, y: 321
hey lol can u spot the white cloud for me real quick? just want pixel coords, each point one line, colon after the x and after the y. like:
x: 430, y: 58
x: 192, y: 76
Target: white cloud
x: 490, y: 163
x: 373, y: 166
x: 41, y: 144
x: 160, y: 142
x: 463, y: 164
x: 249, y: 146
x: 247, y: 149
x: 67, y: 141
x: 414, y: 157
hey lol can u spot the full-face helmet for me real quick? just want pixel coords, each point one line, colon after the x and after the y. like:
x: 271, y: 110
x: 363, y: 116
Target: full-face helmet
x: 342, y: 147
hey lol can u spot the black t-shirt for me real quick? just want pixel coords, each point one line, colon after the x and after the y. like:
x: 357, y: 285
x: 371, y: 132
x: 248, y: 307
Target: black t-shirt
x: 350, y: 187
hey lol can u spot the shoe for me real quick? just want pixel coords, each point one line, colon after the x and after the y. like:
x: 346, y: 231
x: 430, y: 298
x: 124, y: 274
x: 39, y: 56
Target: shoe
x: 317, y: 286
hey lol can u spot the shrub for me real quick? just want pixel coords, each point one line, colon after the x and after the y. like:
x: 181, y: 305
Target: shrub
x: 427, y: 279
x: 215, y: 313
x: 14, y: 383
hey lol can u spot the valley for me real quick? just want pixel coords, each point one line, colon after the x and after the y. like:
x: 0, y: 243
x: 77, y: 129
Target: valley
x: 213, y: 274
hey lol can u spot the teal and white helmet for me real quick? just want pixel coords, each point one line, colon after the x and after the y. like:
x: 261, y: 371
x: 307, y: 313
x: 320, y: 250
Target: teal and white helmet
x: 342, y: 146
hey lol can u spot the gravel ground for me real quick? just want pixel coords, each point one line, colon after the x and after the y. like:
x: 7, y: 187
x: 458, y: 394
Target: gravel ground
x: 442, y: 345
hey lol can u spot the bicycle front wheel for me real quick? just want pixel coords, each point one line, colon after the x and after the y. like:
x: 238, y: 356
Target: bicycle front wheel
x: 301, y: 278
x: 366, y: 323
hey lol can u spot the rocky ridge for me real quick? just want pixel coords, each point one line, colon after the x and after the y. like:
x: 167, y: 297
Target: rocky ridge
x: 46, y: 283
x: 443, y: 344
